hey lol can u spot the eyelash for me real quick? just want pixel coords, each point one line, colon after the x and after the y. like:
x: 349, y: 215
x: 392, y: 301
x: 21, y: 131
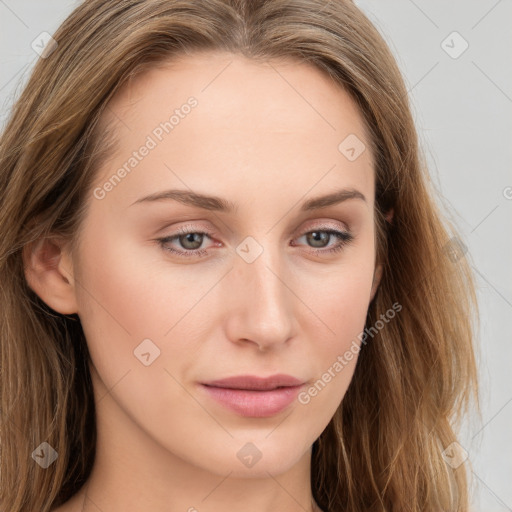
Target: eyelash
x: 344, y: 238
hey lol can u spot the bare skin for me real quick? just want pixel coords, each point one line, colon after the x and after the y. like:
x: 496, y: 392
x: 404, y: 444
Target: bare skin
x: 266, y: 137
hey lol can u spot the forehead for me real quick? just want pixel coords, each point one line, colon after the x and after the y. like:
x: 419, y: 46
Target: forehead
x: 252, y: 123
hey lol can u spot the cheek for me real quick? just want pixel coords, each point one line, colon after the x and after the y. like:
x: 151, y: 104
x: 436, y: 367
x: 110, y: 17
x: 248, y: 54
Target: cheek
x: 339, y: 296
x: 118, y: 302
x: 339, y: 310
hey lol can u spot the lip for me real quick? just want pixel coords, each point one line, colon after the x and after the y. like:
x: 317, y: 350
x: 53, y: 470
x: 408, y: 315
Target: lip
x: 253, y: 396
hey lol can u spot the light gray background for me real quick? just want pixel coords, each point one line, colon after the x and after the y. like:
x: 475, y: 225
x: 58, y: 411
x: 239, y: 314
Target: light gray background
x: 463, y: 112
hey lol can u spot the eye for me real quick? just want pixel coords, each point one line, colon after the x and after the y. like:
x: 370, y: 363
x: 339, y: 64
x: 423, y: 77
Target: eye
x: 191, y: 241
x: 320, y: 238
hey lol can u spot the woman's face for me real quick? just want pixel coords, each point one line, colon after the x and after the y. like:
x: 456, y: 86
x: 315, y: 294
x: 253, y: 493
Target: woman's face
x: 239, y: 154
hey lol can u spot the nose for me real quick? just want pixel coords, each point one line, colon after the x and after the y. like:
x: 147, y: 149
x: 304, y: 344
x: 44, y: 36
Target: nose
x: 260, y: 301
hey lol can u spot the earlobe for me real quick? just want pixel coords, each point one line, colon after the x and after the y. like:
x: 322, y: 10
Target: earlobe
x: 48, y: 272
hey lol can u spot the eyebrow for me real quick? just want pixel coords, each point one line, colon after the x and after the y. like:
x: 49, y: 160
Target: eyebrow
x: 214, y: 203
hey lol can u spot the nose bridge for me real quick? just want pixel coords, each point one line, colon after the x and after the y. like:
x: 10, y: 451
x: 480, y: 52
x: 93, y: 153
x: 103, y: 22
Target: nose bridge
x: 262, y: 302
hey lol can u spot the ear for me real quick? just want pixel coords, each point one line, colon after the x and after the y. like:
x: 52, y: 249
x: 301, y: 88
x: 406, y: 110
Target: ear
x: 49, y: 273
x: 377, y: 276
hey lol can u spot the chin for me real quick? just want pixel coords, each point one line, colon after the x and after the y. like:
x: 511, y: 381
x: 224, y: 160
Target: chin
x: 256, y: 457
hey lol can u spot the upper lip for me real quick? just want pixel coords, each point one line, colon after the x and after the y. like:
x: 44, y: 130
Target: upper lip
x: 251, y: 382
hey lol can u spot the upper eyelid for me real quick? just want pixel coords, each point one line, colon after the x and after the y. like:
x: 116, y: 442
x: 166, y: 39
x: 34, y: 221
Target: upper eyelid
x: 322, y: 225
x: 184, y: 230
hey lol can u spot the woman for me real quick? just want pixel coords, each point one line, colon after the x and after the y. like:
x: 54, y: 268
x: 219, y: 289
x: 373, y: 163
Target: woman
x: 225, y: 282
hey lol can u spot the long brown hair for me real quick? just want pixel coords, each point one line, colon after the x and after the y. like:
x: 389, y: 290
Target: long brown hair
x: 383, y: 449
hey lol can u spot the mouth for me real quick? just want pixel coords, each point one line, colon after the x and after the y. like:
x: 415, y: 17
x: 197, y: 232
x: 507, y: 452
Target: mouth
x: 252, y: 396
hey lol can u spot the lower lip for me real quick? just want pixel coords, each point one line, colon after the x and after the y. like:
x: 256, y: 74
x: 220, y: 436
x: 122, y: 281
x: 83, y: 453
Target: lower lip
x: 255, y: 404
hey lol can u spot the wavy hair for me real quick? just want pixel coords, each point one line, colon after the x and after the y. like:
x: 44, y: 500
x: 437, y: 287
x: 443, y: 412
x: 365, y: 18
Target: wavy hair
x: 413, y: 383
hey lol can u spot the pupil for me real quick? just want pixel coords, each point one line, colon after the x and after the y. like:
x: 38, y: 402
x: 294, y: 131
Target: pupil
x: 189, y: 238
x: 318, y: 236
